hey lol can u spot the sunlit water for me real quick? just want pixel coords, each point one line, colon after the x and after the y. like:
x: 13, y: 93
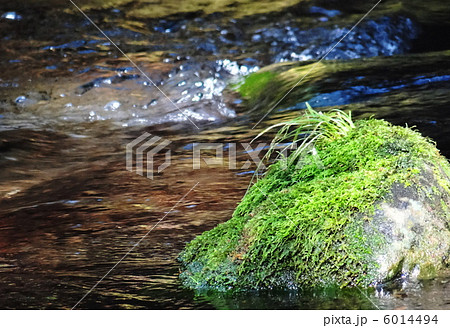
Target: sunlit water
x: 70, y: 102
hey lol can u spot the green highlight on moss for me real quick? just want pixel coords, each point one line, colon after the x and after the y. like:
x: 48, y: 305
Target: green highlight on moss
x: 255, y: 84
x: 268, y: 86
x: 304, y: 224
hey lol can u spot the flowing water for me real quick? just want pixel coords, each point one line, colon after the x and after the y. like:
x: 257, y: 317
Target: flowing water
x: 70, y: 101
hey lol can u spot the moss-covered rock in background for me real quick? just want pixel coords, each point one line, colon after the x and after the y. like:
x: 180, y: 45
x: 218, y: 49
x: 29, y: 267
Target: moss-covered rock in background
x: 338, y: 83
x: 363, y: 208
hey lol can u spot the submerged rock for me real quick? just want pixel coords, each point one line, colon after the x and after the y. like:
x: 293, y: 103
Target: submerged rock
x: 385, y: 36
x: 364, y: 207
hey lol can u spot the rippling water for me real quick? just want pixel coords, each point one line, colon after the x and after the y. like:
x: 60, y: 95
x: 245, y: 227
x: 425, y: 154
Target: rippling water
x: 70, y: 102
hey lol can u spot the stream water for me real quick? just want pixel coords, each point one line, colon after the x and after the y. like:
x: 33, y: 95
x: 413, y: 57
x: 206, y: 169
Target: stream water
x: 70, y: 101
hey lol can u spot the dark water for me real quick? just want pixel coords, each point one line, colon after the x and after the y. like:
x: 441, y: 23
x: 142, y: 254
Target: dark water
x: 70, y: 102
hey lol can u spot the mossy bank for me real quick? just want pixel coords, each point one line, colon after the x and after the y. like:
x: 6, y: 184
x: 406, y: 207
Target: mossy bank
x: 339, y: 83
x: 362, y: 208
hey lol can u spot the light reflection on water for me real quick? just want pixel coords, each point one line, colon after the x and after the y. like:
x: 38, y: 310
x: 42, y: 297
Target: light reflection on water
x: 77, y: 212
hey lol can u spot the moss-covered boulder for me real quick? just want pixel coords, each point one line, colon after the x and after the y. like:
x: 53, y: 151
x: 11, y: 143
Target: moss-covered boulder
x: 364, y: 207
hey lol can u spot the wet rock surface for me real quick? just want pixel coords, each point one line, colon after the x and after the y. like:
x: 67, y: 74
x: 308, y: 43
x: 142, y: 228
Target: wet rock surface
x: 414, y: 224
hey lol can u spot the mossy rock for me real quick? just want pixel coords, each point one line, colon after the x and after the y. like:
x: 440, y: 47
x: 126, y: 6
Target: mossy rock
x: 286, y: 85
x: 363, y: 208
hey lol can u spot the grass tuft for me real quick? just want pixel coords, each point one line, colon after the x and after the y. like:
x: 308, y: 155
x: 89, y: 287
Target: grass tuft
x: 302, y: 133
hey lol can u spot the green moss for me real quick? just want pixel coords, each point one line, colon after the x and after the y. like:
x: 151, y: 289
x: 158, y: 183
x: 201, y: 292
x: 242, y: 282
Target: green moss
x: 302, y: 225
x: 255, y: 84
x: 428, y: 271
x: 268, y: 86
